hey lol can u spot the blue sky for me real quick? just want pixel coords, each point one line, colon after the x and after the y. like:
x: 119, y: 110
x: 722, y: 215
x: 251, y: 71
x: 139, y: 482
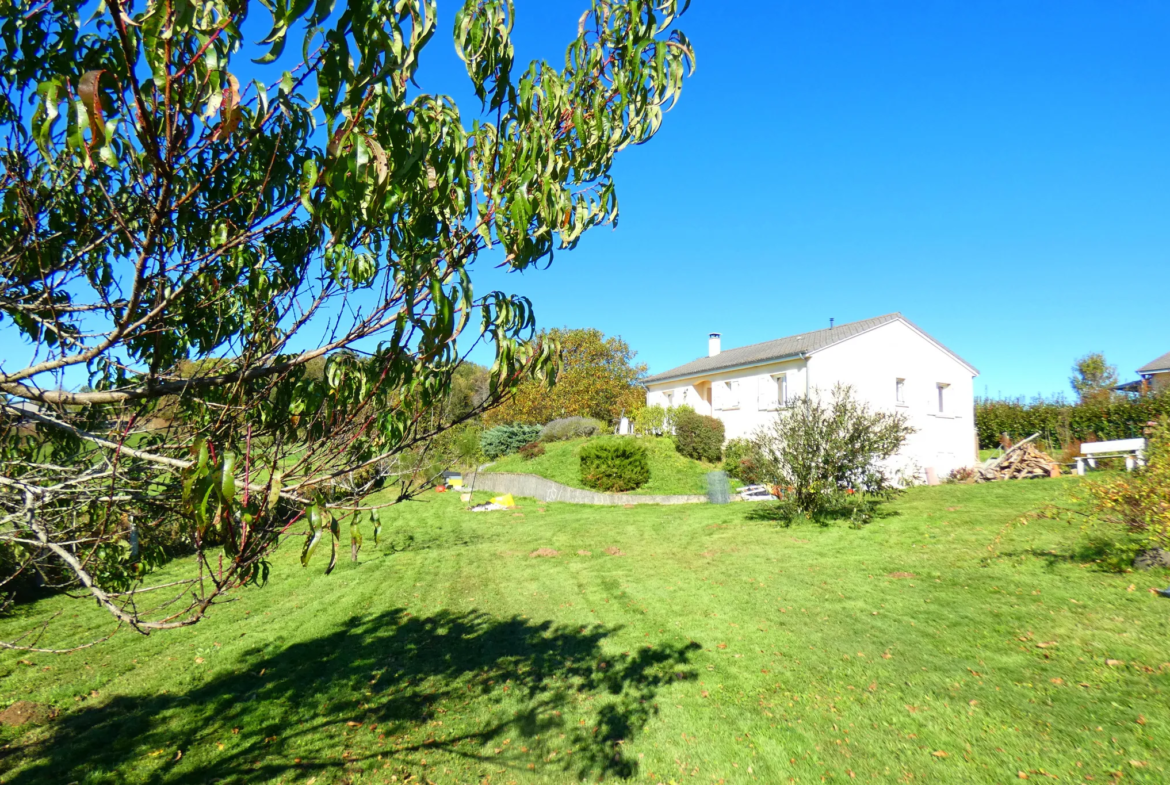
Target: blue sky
x: 999, y: 172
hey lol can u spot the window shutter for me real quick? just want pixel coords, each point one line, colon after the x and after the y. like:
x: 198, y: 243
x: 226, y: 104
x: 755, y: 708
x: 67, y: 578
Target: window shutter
x: 733, y: 389
x: 769, y: 398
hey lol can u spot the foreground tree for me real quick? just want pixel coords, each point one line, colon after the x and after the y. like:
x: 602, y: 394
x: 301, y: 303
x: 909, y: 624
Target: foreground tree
x: 829, y: 451
x: 192, y: 243
x: 1093, y: 378
x: 597, y: 378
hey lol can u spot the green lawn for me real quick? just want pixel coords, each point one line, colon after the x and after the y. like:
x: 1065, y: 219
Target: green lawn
x: 716, y: 647
x: 670, y: 473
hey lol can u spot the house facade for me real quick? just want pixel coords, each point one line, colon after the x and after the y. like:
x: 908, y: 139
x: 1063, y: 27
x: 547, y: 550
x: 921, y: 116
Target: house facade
x: 1156, y: 373
x: 890, y: 362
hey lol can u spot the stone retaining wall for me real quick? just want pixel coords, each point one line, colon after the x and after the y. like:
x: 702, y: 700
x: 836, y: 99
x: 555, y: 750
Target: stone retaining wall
x: 531, y: 486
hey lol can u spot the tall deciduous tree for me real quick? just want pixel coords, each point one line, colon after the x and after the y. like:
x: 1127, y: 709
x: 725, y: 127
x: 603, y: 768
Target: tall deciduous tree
x: 179, y: 233
x: 1093, y: 378
x: 597, y: 378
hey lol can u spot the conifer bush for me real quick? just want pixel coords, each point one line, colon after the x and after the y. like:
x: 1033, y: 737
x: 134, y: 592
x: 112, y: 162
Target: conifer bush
x: 506, y: 439
x: 614, y: 465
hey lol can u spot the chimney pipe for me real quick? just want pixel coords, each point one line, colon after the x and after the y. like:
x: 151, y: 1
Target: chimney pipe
x: 713, y: 344
x: 830, y: 322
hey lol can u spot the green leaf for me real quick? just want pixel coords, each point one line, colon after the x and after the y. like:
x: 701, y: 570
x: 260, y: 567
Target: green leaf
x: 274, y: 491
x: 228, y: 477
x: 310, y: 545
x: 308, y: 182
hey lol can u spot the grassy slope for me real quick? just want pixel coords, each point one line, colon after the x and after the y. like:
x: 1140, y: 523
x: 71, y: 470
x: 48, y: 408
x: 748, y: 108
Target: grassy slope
x: 670, y: 473
x: 719, y: 647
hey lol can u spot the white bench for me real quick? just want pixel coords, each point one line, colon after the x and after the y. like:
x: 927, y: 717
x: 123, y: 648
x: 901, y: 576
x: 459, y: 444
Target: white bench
x: 1134, y: 451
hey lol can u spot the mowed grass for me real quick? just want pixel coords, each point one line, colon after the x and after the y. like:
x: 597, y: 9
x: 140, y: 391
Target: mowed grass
x: 707, y: 645
x: 670, y: 473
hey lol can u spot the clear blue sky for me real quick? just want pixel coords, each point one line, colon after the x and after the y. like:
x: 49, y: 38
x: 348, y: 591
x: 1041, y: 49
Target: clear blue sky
x: 997, y: 171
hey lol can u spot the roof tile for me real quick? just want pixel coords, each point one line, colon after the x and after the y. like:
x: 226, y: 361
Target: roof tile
x: 780, y: 348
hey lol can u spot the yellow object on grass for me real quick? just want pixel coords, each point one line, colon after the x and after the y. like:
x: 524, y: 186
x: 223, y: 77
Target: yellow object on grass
x: 504, y: 501
x: 456, y: 482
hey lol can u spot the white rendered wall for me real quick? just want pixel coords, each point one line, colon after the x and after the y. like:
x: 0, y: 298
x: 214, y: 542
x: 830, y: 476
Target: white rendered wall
x: 874, y: 361
x: 744, y: 419
x: 871, y: 363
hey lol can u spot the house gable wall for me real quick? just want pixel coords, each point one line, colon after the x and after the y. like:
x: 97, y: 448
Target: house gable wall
x: 871, y: 363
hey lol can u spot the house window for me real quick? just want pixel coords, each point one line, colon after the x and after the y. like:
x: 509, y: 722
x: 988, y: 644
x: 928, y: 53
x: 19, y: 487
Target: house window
x: 900, y: 391
x: 669, y: 399
x: 730, y: 397
x: 942, y: 397
x: 685, y: 395
x: 781, y: 381
x: 773, y: 392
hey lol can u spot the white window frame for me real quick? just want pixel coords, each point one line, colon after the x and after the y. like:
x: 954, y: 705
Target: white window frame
x: 942, y: 398
x: 780, y: 383
x: 900, y: 391
x: 728, y: 395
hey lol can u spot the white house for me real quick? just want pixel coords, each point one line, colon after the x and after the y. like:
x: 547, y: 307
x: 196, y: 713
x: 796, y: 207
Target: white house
x: 890, y: 362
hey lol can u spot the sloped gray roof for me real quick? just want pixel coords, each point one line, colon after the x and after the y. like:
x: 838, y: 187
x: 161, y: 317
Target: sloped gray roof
x: 1160, y: 364
x: 792, y: 346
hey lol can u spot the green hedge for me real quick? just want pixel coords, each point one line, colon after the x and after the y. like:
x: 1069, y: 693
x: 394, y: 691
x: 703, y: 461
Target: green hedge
x: 698, y: 436
x: 1060, y: 422
x: 614, y: 465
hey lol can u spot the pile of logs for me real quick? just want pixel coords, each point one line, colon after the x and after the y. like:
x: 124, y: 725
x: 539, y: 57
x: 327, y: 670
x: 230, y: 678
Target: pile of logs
x: 1024, y: 461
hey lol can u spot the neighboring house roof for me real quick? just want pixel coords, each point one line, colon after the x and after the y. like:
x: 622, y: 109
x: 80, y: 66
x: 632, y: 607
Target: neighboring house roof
x: 1160, y: 364
x: 790, y: 347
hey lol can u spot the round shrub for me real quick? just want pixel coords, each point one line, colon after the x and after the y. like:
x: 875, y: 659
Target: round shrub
x: 571, y: 428
x: 505, y: 439
x: 614, y: 465
x: 698, y: 436
x: 740, y: 462
x: 531, y: 450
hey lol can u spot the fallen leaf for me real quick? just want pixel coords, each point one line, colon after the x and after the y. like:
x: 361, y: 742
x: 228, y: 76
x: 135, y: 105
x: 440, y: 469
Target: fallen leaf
x: 1130, y: 587
x: 198, y: 660
x: 704, y: 693
x: 1114, y: 663
x: 1138, y: 764
x: 354, y: 724
x: 1057, y: 681
x: 1045, y: 645
x: 1022, y: 775
x: 939, y: 754
x: 872, y: 686
x: 972, y: 702
x: 1141, y: 720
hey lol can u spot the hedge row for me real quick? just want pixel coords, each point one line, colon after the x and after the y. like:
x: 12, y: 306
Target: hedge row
x: 1060, y: 422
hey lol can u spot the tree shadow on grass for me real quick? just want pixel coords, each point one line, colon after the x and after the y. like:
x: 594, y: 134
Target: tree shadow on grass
x: 1100, y: 554
x: 445, y: 697
x: 785, y: 515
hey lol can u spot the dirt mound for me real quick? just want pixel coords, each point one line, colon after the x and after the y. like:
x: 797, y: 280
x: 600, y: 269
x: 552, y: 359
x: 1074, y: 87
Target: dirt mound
x: 613, y: 550
x: 544, y: 552
x: 902, y: 575
x: 26, y: 711
x: 584, y: 553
